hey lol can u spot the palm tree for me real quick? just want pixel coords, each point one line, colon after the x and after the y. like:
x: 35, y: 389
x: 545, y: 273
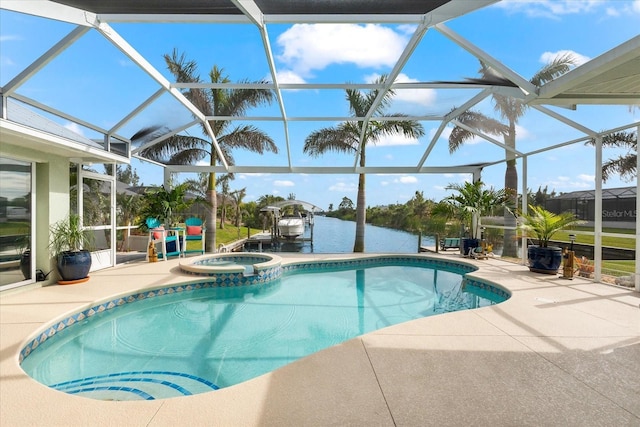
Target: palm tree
x: 510, y: 110
x: 238, y: 197
x: 223, y: 182
x: 346, y: 138
x: 183, y: 150
x: 625, y: 166
x: 471, y: 201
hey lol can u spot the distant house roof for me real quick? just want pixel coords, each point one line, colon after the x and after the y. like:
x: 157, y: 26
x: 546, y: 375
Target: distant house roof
x: 607, y: 193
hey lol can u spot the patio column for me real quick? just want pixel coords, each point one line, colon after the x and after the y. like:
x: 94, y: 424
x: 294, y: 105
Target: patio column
x: 597, y: 242
x: 476, y: 221
x: 524, y: 207
x: 166, y: 178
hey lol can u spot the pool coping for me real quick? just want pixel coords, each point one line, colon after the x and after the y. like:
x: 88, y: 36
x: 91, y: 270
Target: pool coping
x: 556, y: 330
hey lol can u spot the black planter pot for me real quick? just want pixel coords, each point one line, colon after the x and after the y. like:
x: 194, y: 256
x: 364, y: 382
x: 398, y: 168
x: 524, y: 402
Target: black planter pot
x: 468, y: 244
x: 74, y: 265
x: 25, y: 264
x: 544, y: 260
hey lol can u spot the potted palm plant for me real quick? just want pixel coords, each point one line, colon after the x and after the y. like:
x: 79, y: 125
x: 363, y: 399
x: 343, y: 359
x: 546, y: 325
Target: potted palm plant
x: 70, y: 244
x: 471, y: 202
x: 542, y: 225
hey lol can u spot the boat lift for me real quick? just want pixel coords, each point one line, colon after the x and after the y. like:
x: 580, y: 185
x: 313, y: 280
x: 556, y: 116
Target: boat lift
x: 274, y: 235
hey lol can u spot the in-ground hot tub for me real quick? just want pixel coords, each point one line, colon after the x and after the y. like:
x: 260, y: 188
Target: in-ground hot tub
x: 237, y: 268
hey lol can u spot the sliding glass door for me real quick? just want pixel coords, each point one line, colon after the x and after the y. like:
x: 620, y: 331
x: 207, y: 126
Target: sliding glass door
x: 16, y: 181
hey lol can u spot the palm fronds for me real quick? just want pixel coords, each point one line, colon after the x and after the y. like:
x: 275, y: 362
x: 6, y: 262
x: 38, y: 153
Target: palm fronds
x: 543, y: 224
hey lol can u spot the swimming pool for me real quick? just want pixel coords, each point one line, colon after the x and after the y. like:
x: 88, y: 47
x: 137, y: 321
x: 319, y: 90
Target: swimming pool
x: 200, y: 336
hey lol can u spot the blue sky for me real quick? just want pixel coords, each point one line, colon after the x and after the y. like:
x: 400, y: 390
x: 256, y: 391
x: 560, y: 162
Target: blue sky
x: 94, y: 82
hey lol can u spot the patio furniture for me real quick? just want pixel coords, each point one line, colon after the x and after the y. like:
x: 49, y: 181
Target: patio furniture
x: 195, y: 231
x: 158, y: 234
x: 450, y: 242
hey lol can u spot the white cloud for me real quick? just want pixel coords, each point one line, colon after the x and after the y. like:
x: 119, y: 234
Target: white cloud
x: 74, y: 127
x: 283, y: 183
x: 9, y: 38
x: 308, y: 47
x: 553, y: 9
x: 416, y: 96
x: 343, y: 187
x: 407, y: 179
x: 547, y: 57
x: 288, y: 76
x: 612, y: 12
x: 424, y: 97
x: 566, y: 184
x: 394, y: 140
x: 407, y: 29
x: 7, y: 61
x: 625, y: 10
x: 521, y: 133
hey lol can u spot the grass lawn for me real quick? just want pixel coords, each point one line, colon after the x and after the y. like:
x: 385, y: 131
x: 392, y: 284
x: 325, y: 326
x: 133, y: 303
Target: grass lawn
x: 225, y: 236
x: 613, y: 242
x: 619, y: 266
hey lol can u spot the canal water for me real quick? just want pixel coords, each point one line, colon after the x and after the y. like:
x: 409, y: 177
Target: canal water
x: 332, y: 235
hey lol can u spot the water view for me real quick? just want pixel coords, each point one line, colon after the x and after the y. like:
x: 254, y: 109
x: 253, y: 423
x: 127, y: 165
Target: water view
x: 331, y: 235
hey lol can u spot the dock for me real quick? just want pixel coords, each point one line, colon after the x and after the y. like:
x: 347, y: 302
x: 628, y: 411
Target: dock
x: 260, y: 240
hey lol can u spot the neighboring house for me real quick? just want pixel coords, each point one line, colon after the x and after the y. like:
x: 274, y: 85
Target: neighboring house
x: 618, y: 206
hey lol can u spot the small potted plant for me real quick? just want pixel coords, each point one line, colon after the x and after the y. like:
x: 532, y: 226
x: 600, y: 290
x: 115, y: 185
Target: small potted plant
x: 70, y: 244
x: 585, y: 267
x: 542, y: 225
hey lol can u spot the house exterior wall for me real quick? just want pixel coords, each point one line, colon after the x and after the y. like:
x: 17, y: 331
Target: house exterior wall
x: 51, y: 197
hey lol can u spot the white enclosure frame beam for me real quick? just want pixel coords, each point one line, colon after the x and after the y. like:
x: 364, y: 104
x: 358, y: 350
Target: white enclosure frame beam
x: 44, y: 59
x: 597, y: 225
x: 524, y: 208
x: 499, y: 67
x: 51, y: 10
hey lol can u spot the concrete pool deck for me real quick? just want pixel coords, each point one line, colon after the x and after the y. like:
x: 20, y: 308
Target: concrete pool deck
x: 557, y: 353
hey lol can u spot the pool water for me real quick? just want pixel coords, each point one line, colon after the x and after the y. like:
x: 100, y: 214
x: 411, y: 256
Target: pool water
x: 196, y: 341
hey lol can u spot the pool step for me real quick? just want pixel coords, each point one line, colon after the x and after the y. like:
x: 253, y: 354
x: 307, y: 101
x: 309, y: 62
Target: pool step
x: 137, y: 385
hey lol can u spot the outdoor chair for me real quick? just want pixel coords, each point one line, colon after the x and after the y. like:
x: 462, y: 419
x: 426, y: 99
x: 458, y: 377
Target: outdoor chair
x: 195, y: 232
x: 158, y: 234
x: 450, y: 243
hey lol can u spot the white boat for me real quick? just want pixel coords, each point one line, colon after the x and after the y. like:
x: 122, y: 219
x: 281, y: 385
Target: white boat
x: 291, y: 227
